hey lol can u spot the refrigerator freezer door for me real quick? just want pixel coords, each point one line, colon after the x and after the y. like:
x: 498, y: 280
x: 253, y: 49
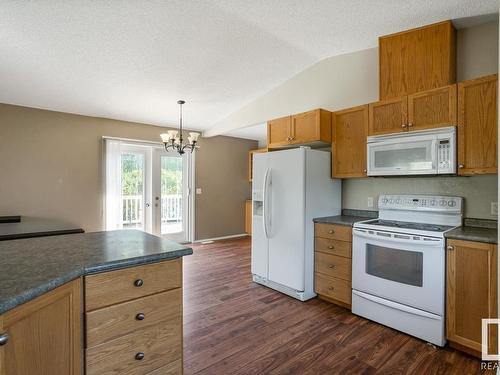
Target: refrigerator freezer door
x: 286, y: 217
x: 260, y: 243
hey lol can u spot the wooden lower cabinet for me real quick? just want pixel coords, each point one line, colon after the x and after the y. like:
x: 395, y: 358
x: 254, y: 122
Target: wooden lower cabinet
x: 332, y: 263
x: 45, y: 334
x: 248, y: 217
x: 137, y: 331
x: 471, y: 293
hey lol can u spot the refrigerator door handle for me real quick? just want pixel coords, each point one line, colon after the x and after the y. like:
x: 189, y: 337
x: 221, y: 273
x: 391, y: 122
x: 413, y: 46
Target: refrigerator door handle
x: 265, y: 203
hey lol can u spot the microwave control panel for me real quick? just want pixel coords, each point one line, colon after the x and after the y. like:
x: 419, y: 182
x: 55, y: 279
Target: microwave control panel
x: 444, y: 155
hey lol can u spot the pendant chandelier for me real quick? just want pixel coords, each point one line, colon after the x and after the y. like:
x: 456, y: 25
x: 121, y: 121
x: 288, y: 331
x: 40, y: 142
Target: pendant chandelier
x: 173, y: 139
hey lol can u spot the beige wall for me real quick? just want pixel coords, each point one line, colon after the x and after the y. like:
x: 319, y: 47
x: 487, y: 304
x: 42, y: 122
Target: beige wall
x: 50, y: 166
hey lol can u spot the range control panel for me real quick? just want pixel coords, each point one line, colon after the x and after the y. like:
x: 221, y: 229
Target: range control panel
x: 420, y: 203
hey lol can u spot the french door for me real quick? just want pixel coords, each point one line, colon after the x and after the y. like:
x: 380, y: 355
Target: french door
x: 171, y: 195
x: 148, y: 189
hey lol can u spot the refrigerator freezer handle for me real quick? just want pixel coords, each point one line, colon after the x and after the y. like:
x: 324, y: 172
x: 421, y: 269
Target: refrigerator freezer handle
x: 265, y: 203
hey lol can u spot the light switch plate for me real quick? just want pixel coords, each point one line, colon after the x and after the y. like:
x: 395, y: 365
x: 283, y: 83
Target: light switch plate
x: 494, y: 208
x: 369, y: 202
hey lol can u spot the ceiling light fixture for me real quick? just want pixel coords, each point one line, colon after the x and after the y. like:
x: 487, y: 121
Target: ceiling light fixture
x: 173, y: 139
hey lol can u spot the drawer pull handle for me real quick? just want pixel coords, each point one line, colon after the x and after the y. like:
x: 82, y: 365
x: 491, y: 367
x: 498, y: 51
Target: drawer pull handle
x: 330, y: 247
x: 140, y: 316
x: 331, y: 231
x: 138, y: 283
x: 331, y: 266
x: 139, y: 356
x: 331, y: 288
x: 4, y: 339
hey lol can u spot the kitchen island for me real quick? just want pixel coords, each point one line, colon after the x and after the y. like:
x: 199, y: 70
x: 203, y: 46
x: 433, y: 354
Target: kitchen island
x: 118, y: 294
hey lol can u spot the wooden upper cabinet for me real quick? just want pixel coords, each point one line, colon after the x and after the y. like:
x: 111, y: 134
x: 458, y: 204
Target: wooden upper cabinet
x: 433, y: 108
x: 278, y: 131
x: 311, y: 126
x: 388, y: 116
x: 471, y: 291
x: 302, y: 128
x: 477, y: 126
x: 417, y: 60
x: 349, y: 132
x: 45, y: 334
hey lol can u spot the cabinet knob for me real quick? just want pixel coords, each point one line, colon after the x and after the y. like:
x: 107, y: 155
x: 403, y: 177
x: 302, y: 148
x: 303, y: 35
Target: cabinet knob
x: 140, y: 316
x: 138, y: 282
x: 403, y: 126
x: 139, y: 356
x: 450, y: 247
x: 410, y: 125
x: 331, y: 231
x: 460, y: 166
x: 330, y: 247
x: 364, y: 170
x: 331, y: 288
x: 4, y: 339
x: 331, y: 266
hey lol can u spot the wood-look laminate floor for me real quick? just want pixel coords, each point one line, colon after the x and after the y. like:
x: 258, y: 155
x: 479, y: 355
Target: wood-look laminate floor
x: 234, y: 326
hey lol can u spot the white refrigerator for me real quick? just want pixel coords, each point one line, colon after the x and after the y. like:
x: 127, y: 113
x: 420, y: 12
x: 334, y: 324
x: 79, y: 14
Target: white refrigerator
x: 289, y: 189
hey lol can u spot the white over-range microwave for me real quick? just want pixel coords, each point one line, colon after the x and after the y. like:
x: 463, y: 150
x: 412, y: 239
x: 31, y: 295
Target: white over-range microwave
x: 426, y: 152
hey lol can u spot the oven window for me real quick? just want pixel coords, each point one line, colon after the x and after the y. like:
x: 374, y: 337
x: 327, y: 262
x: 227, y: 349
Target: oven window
x: 401, y: 266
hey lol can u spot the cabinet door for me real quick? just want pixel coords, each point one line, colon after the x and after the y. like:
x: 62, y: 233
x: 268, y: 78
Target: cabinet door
x: 477, y: 126
x: 279, y: 132
x: 45, y: 334
x: 311, y: 126
x: 433, y: 108
x: 388, y: 116
x: 471, y: 291
x: 248, y: 217
x: 417, y: 60
x: 350, y: 129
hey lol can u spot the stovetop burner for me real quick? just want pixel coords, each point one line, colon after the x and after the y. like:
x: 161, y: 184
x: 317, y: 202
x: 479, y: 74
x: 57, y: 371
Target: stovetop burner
x: 410, y: 225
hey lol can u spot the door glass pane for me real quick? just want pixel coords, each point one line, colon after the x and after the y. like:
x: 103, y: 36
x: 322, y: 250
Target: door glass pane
x: 411, y: 158
x: 396, y: 265
x: 171, y: 194
x: 133, y: 190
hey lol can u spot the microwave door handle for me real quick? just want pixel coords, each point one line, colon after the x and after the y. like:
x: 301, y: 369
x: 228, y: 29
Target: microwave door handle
x: 396, y: 306
x: 434, y: 153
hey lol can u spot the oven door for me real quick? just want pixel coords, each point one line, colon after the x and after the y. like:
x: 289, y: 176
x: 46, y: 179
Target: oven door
x: 403, y: 156
x: 402, y: 268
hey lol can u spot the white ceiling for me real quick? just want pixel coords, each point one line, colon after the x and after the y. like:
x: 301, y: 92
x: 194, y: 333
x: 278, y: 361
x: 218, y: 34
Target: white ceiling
x: 256, y: 132
x: 132, y: 60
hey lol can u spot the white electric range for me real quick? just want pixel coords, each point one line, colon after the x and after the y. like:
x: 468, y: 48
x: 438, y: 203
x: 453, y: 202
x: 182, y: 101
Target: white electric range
x: 398, y: 264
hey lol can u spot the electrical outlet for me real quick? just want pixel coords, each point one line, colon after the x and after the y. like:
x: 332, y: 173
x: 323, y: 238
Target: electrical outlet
x: 494, y: 208
x: 369, y: 202
x: 198, y: 191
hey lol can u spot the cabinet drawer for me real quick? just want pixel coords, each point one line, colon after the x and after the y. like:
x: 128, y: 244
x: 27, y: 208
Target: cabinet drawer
x: 113, y: 287
x: 334, y: 247
x: 174, y: 368
x: 333, y: 265
x: 160, y: 344
x: 118, y: 320
x: 334, y: 288
x: 334, y: 232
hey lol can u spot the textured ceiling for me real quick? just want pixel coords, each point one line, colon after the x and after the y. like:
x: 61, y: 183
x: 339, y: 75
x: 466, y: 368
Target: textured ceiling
x: 132, y: 60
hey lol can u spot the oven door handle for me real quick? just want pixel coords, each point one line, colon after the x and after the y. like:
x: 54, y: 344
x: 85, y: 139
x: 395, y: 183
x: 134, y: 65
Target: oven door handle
x: 396, y: 306
x: 364, y: 234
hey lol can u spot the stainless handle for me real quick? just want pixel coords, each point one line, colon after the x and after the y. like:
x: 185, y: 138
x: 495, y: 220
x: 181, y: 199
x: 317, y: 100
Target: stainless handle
x: 450, y: 247
x: 460, y: 166
x: 4, y: 339
x: 403, y: 126
x: 139, y: 356
x: 140, y: 316
x: 138, y: 283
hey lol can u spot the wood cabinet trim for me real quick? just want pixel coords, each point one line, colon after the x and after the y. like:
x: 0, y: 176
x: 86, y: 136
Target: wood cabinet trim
x: 250, y: 160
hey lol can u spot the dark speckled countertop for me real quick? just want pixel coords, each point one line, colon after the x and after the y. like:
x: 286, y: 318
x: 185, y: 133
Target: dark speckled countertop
x: 488, y: 235
x: 348, y: 217
x: 33, y: 266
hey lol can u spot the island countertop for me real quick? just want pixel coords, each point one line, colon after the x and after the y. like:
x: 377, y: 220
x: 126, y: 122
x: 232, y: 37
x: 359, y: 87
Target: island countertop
x: 33, y: 266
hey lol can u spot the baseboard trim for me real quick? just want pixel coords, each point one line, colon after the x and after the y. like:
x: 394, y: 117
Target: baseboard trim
x: 222, y: 238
